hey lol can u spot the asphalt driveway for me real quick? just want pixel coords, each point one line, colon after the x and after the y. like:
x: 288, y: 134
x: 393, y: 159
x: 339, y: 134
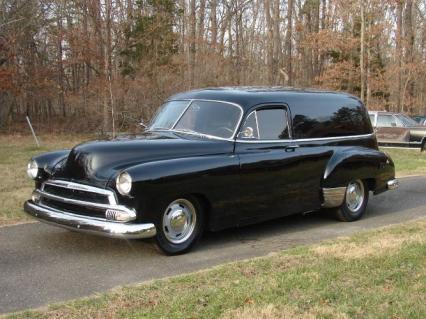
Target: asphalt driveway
x: 41, y: 264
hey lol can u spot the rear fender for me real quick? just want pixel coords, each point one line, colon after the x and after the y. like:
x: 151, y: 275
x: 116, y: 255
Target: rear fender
x: 358, y: 163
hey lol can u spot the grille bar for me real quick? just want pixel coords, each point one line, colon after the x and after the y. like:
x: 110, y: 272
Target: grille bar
x: 73, y: 201
x: 83, y: 188
x: 81, y: 199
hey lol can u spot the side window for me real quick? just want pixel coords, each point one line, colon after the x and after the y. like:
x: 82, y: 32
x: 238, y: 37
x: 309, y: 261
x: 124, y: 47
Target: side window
x: 266, y: 124
x: 386, y: 121
x: 325, y: 115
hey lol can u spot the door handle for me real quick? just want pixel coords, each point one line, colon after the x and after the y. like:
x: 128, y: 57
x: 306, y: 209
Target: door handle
x: 291, y: 148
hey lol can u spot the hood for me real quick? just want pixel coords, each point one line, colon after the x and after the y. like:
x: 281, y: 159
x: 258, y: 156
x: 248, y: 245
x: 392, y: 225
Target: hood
x: 96, y: 162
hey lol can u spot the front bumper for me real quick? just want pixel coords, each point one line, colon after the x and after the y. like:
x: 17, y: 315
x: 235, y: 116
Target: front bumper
x: 89, y: 225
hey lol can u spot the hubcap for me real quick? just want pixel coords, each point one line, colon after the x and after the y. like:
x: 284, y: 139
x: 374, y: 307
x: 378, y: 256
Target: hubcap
x: 179, y: 221
x: 355, y: 195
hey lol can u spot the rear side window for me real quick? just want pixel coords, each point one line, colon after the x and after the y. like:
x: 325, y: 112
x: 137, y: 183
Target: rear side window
x: 386, y: 121
x: 266, y: 124
x: 317, y: 116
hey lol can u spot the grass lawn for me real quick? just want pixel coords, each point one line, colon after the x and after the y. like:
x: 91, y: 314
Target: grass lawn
x: 375, y: 274
x: 16, y: 150
x: 408, y: 162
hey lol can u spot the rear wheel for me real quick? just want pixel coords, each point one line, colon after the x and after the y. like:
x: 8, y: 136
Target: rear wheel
x: 355, y: 202
x: 180, y: 225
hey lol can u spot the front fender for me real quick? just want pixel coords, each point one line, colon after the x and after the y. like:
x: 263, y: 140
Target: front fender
x: 47, y: 162
x: 358, y: 163
x: 213, y: 177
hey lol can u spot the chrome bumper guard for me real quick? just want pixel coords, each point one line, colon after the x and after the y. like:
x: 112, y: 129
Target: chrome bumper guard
x: 89, y: 225
x: 392, y: 184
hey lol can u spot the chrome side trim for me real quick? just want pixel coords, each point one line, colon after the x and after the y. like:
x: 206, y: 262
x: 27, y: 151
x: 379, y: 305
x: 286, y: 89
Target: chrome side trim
x: 392, y: 184
x: 333, y: 197
x: 82, y: 187
x: 337, y: 138
x: 89, y: 225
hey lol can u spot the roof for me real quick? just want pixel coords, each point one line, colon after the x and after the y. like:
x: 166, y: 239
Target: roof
x: 249, y: 96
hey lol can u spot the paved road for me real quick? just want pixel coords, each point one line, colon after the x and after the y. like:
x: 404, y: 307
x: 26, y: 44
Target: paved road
x: 41, y: 264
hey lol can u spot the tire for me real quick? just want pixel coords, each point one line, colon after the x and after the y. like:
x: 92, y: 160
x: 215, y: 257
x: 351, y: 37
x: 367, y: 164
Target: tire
x: 354, y: 203
x: 180, y: 225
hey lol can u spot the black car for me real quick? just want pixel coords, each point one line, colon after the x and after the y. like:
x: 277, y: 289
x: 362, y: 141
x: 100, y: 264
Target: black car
x: 217, y: 158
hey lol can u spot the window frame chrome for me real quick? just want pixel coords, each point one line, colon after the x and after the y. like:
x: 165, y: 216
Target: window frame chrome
x: 267, y: 106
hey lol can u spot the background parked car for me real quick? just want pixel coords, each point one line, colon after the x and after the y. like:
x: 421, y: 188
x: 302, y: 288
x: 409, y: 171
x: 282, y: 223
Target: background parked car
x: 397, y: 129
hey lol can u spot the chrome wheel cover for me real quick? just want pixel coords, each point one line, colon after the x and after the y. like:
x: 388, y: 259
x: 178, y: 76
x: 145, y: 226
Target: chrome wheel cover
x: 355, y: 195
x: 179, y: 220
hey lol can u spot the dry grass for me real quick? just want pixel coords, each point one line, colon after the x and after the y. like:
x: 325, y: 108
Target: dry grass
x: 380, y: 244
x: 271, y: 311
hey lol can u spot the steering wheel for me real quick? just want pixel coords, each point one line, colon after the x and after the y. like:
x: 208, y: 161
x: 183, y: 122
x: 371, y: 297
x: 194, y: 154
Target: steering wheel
x: 224, y: 130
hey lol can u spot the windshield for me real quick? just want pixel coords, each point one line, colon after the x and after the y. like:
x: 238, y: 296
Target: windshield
x: 212, y: 118
x: 407, y: 121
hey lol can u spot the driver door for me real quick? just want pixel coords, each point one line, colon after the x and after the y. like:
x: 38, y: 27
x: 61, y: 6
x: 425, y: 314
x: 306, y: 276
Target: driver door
x: 272, y: 178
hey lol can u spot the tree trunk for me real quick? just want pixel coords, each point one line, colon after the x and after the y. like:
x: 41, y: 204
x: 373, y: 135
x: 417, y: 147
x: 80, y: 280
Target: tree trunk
x: 289, y: 40
x: 269, y: 43
x: 362, y: 54
x: 409, y: 38
x: 277, y: 41
x: 398, y: 53
x: 61, y: 94
x: 213, y: 13
x: 201, y: 17
x: 192, y: 22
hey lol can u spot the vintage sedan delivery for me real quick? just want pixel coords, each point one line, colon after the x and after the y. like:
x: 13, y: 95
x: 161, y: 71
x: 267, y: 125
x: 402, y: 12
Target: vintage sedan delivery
x: 217, y: 158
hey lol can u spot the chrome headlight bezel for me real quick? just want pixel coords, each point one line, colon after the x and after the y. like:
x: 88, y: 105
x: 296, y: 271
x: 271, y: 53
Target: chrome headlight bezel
x: 32, y: 169
x: 123, y: 183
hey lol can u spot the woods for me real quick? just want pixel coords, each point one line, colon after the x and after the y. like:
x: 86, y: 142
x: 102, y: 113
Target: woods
x: 89, y: 65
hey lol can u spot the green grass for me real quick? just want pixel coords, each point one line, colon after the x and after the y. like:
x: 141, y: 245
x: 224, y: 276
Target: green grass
x: 408, y: 162
x: 15, y: 186
x: 16, y: 150
x: 376, y: 274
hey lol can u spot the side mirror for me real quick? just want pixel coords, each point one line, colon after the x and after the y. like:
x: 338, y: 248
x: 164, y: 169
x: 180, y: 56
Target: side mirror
x: 393, y: 124
x: 141, y: 123
x: 247, y: 133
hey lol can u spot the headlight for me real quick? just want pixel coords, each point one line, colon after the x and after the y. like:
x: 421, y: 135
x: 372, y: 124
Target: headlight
x: 123, y: 183
x: 32, y: 169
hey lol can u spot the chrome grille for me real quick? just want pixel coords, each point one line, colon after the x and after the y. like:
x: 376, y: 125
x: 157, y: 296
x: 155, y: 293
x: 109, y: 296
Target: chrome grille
x: 70, y: 197
x: 76, y: 194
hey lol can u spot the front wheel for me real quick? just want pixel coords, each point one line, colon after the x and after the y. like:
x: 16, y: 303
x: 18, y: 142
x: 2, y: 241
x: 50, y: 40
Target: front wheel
x: 355, y: 202
x: 180, y: 225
